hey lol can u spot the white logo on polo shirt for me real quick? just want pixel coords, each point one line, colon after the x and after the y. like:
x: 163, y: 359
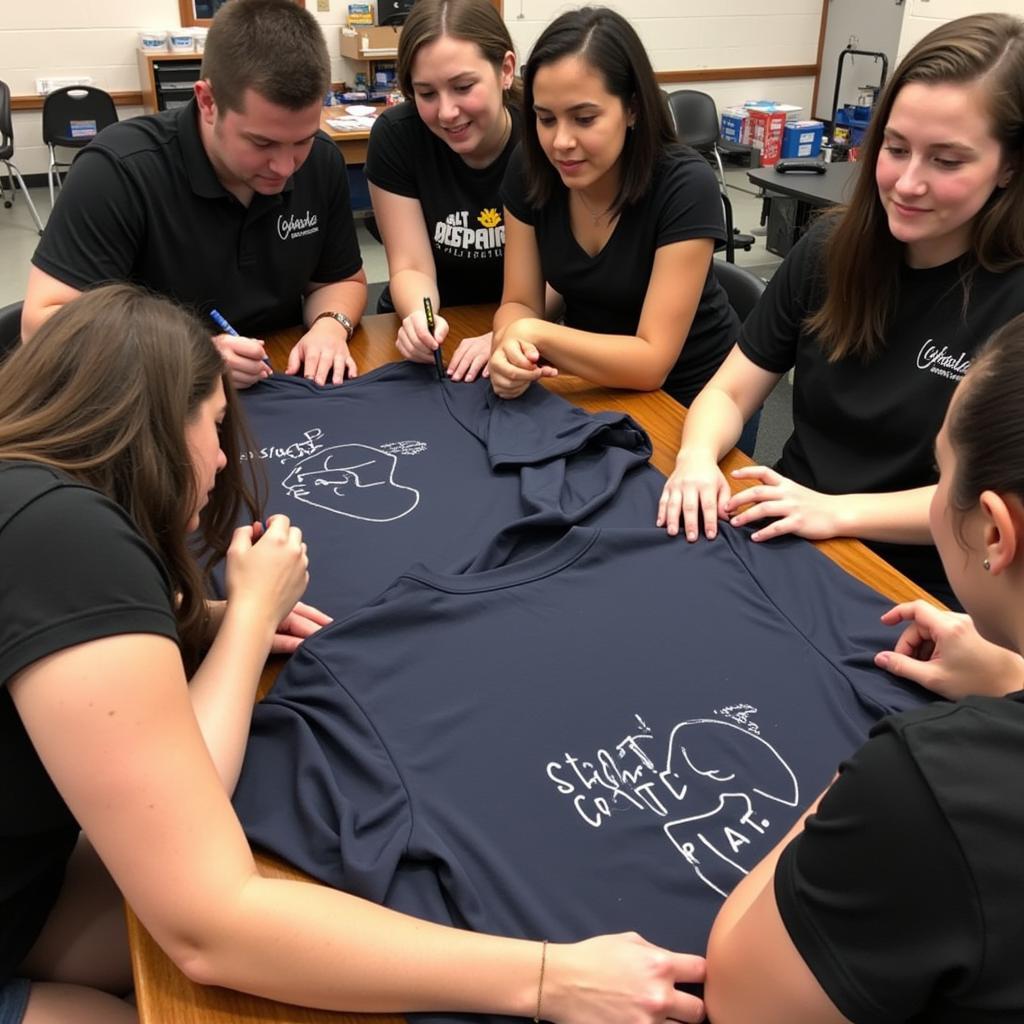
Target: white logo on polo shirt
x: 294, y: 226
x: 939, y: 361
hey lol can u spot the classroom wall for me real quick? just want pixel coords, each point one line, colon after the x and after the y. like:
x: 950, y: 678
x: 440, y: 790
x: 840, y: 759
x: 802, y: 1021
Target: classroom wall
x: 99, y: 38
x: 921, y: 16
x: 700, y: 34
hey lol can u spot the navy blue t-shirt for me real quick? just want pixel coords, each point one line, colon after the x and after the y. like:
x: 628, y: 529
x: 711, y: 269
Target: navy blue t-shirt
x: 395, y: 468
x: 606, y: 735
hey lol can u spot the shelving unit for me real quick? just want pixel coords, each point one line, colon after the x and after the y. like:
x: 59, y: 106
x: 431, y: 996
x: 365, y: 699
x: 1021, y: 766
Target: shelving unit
x: 370, y: 47
x: 167, y: 79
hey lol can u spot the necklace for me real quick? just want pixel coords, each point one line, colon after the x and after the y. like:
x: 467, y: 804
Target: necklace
x: 595, y: 217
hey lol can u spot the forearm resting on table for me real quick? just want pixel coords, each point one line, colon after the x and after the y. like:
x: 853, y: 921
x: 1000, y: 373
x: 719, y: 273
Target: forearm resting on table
x: 608, y: 360
x: 896, y: 517
x: 509, y: 312
x: 353, y: 955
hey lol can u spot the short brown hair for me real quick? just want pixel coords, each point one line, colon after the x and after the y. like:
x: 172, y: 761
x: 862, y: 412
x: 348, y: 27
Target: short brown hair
x: 274, y: 47
x: 862, y: 257
x: 123, y: 432
x: 474, y: 21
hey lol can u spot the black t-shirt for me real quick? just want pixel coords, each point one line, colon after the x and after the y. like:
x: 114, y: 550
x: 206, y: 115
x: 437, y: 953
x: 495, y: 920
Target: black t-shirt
x: 904, y: 893
x: 396, y: 468
x: 74, y: 569
x: 142, y: 203
x: 605, y: 293
x: 870, y: 426
x: 461, y: 205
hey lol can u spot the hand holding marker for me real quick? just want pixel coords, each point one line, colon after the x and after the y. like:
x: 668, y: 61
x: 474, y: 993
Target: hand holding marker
x: 226, y: 328
x: 428, y: 311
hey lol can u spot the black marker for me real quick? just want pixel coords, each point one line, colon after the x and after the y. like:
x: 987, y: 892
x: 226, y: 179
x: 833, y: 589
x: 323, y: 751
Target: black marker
x: 428, y: 312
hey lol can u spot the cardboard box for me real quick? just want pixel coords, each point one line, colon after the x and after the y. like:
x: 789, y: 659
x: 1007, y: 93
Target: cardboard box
x: 802, y: 138
x: 736, y: 125
x: 766, y: 130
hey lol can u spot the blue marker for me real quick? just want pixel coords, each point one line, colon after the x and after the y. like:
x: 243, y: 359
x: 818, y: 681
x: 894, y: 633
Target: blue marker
x: 223, y: 324
x: 219, y: 320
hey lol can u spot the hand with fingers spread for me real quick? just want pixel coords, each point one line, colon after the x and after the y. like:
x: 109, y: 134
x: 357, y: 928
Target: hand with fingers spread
x: 245, y: 359
x: 696, y: 490
x: 619, y: 979
x: 515, y: 362
x: 471, y: 358
x: 267, y: 570
x: 794, y: 508
x: 943, y: 652
x: 414, y: 340
x: 322, y: 354
x: 301, y: 622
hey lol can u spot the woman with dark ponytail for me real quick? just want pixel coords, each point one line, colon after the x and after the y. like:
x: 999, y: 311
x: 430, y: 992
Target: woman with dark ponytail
x: 899, y: 897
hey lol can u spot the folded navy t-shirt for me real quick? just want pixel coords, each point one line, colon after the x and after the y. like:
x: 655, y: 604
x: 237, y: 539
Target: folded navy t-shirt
x: 394, y: 468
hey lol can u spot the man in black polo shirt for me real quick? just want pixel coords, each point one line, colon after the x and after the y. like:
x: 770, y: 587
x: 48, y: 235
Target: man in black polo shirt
x: 234, y: 202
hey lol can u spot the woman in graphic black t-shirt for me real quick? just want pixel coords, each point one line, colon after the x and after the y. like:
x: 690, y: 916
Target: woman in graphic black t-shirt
x: 435, y: 165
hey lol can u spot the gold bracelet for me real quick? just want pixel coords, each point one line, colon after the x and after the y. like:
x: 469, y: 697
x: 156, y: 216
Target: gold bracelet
x: 540, y: 983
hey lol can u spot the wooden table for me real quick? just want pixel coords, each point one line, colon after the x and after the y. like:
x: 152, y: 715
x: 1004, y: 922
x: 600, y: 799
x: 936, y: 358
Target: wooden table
x: 352, y: 144
x: 165, y: 996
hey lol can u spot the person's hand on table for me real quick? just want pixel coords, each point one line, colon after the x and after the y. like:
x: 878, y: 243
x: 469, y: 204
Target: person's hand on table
x: 943, y: 652
x: 794, y: 508
x: 515, y: 361
x: 301, y: 622
x: 619, y: 979
x: 244, y: 358
x: 414, y: 340
x: 696, y: 489
x: 322, y: 354
x: 471, y: 358
x: 267, y: 569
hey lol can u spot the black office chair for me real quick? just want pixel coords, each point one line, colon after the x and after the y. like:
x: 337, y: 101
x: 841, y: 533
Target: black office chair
x: 695, y: 117
x: 696, y: 120
x: 6, y: 155
x: 72, y: 117
x: 10, y: 328
x: 743, y: 287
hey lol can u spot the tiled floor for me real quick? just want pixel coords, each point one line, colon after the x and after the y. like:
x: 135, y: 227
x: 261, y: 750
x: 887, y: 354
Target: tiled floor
x: 18, y: 240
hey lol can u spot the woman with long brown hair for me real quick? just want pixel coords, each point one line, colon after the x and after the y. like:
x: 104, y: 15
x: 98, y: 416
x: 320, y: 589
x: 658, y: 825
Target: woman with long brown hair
x: 435, y: 165
x: 879, y: 310
x: 119, y: 458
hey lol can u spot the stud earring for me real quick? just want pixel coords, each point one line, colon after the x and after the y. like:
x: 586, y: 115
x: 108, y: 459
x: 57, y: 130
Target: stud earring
x: 986, y: 565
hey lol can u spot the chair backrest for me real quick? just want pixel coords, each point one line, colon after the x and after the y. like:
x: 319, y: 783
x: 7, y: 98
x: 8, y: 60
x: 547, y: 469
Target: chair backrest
x: 743, y: 287
x: 10, y: 327
x: 6, y: 127
x: 695, y: 116
x: 72, y: 116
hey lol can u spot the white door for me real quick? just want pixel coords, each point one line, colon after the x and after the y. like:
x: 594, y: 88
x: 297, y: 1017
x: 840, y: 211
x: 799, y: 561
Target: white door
x: 868, y: 24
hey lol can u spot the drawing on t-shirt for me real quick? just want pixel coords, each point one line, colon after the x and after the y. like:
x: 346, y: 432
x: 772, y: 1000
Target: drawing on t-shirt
x: 355, y: 480
x: 716, y: 769
x: 717, y: 773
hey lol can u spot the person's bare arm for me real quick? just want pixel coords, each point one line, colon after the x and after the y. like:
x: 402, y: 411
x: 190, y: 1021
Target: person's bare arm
x: 44, y: 295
